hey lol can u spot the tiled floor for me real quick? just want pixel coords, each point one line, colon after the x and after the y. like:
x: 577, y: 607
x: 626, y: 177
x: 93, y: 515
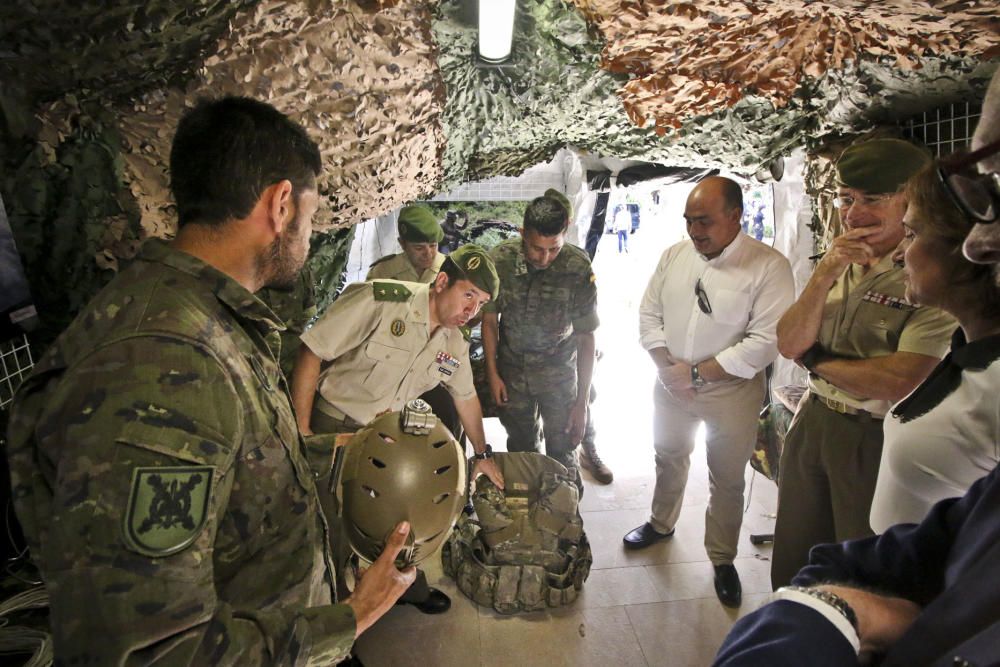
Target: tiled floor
x: 651, y: 607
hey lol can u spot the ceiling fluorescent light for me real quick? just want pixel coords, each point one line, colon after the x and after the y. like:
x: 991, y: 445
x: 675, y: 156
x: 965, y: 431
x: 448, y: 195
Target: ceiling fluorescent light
x: 496, y: 29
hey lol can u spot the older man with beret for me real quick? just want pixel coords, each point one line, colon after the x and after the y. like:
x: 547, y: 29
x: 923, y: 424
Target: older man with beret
x: 865, y: 347
x: 419, y: 236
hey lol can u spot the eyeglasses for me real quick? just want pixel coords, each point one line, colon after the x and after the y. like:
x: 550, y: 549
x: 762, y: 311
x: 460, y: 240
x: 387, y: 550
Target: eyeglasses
x: 977, y: 196
x: 866, y: 201
x: 703, y: 303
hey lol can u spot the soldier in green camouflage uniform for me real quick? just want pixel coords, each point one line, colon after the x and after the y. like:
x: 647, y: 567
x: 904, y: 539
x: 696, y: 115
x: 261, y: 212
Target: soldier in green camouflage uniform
x: 538, y: 336
x: 295, y: 307
x: 157, y: 467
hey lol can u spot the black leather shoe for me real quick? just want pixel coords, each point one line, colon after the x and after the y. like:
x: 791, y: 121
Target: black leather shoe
x: 727, y: 585
x: 643, y: 536
x: 437, y: 602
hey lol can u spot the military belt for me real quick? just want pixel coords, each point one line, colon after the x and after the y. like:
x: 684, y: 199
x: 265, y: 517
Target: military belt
x: 843, y: 408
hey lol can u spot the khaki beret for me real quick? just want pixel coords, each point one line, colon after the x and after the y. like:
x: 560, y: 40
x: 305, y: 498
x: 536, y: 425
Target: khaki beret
x: 418, y: 224
x: 474, y: 262
x: 880, y: 166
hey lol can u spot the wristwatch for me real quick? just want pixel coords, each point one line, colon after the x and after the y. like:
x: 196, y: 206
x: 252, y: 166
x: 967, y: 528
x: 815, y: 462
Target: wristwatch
x: 827, y: 597
x: 485, y: 454
x: 697, y: 381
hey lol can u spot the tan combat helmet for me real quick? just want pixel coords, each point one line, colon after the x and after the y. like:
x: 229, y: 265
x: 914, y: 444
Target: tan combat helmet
x: 402, y: 466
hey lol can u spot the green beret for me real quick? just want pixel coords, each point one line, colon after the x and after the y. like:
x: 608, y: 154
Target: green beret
x: 880, y: 166
x: 474, y: 262
x: 418, y: 224
x: 552, y: 193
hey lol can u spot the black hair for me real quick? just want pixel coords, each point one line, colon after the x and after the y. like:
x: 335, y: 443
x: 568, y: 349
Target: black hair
x: 452, y: 270
x: 226, y: 152
x: 546, y: 216
x: 732, y: 194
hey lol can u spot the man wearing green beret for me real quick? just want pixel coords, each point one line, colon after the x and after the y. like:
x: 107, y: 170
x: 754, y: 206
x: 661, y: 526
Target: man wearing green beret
x: 386, y: 342
x: 865, y: 347
x: 538, y: 337
x: 419, y: 236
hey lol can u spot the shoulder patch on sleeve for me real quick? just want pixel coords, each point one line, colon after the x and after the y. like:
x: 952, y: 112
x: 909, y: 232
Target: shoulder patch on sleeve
x: 167, y: 508
x: 385, y: 291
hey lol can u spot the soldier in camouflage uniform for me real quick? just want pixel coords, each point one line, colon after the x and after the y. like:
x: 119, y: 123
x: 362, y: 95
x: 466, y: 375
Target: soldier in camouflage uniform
x: 419, y: 236
x: 295, y: 307
x: 158, y: 472
x: 538, y: 336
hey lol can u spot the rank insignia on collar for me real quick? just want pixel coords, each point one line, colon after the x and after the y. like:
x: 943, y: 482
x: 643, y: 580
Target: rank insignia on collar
x: 397, y: 328
x: 167, y: 507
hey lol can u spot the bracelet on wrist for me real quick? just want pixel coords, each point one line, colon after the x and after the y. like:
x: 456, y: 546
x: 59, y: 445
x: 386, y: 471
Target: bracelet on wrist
x: 832, y: 599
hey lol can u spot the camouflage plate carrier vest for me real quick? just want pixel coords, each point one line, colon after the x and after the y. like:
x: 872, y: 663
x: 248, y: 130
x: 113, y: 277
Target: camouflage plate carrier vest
x: 528, y: 550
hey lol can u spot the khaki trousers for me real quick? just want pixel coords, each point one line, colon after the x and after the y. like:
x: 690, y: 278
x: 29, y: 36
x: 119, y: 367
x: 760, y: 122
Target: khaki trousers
x: 829, y: 467
x: 730, y: 411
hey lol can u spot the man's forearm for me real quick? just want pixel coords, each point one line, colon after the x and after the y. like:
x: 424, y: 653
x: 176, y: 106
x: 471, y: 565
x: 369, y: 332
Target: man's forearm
x: 712, y: 371
x: 491, y: 339
x: 661, y: 357
x: 586, y: 349
x: 799, y: 327
x: 887, y: 378
x: 305, y: 378
x: 470, y: 413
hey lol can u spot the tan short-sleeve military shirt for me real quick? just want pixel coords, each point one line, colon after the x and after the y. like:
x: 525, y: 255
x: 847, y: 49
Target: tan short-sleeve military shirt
x: 398, y: 267
x: 867, y: 316
x: 377, y: 334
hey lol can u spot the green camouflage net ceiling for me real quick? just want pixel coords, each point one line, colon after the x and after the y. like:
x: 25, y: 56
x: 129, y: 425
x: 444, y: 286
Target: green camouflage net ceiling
x: 90, y: 92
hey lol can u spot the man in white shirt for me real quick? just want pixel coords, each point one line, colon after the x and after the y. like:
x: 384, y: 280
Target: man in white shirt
x: 708, y: 321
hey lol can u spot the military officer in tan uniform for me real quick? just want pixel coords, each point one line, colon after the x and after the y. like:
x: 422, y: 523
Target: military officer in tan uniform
x: 865, y: 347
x: 419, y: 236
x: 388, y: 342
x: 420, y: 262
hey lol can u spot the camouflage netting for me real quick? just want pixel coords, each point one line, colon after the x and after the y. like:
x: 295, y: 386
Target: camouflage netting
x: 90, y: 96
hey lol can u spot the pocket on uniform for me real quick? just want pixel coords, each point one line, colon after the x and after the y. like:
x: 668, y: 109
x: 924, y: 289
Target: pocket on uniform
x: 386, y: 362
x: 730, y: 306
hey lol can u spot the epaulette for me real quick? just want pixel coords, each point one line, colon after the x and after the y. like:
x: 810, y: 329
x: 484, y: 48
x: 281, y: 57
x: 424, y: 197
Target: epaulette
x: 381, y: 259
x: 466, y: 333
x: 386, y: 291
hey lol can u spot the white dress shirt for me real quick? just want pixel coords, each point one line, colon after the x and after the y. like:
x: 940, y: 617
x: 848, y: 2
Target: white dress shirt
x: 749, y: 286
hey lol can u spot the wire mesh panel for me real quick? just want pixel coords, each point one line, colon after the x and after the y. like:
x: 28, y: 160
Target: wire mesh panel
x: 946, y: 129
x: 15, y: 364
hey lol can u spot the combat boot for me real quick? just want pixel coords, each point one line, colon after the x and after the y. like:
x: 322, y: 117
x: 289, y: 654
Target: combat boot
x: 592, y: 463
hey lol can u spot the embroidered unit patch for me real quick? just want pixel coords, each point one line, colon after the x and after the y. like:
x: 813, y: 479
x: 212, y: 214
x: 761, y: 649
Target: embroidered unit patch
x: 397, y: 328
x: 167, y: 507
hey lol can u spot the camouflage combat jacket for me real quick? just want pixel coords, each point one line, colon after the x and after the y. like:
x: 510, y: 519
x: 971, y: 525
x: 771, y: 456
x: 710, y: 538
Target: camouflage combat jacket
x: 540, y: 310
x: 295, y: 307
x: 163, y: 486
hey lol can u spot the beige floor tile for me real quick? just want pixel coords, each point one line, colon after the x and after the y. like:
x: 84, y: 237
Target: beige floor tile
x: 606, y: 530
x: 562, y: 637
x: 685, y: 633
x: 618, y: 586
x: 449, y: 642
x: 686, y: 581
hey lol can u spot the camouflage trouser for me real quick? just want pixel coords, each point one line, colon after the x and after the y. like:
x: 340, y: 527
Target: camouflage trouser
x: 541, y: 392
